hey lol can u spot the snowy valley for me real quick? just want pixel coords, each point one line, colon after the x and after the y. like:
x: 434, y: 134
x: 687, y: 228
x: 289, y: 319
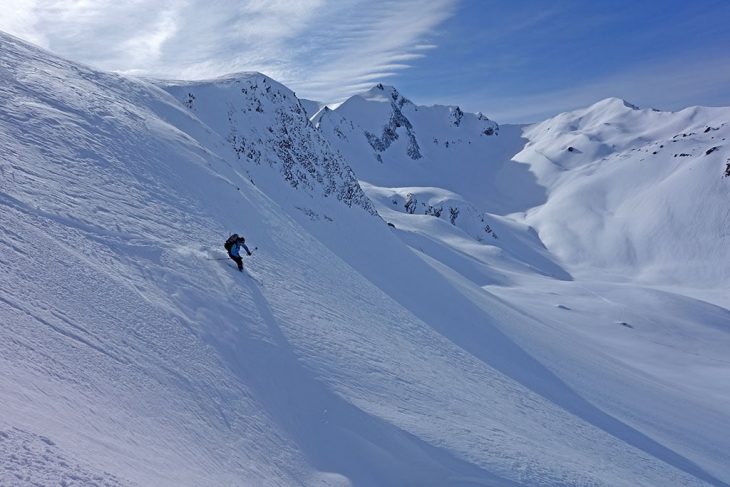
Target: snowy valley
x: 433, y: 298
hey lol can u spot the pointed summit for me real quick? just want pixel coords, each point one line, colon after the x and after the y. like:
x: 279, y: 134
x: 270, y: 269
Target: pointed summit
x: 381, y: 90
x: 384, y: 93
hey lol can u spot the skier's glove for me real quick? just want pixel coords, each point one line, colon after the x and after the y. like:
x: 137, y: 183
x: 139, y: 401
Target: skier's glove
x: 249, y: 254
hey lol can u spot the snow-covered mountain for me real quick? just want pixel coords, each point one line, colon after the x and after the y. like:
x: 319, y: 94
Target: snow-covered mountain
x: 264, y: 123
x: 636, y: 193
x: 390, y: 141
x: 430, y: 351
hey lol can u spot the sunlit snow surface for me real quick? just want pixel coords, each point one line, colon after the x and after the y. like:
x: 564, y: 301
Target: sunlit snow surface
x: 351, y: 352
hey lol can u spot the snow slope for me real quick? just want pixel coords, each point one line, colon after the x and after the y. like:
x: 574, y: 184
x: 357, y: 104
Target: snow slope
x: 636, y: 193
x: 349, y: 353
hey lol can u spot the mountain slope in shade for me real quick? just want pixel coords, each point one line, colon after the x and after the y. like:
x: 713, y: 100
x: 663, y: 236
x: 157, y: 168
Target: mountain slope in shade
x: 311, y: 106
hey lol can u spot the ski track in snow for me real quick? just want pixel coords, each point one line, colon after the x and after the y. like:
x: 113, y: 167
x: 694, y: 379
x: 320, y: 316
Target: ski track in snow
x: 349, y: 352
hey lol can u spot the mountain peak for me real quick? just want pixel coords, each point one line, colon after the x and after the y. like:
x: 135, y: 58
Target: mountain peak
x: 613, y: 102
x: 382, y: 89
x: 384, y: 93
x: 608, y: 110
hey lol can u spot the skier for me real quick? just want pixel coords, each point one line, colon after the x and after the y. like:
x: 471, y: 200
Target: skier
x: 233, y: 246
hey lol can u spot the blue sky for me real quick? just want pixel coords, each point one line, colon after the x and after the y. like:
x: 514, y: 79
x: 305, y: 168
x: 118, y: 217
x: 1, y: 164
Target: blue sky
x: 516, y: 60
x: 520, y: 62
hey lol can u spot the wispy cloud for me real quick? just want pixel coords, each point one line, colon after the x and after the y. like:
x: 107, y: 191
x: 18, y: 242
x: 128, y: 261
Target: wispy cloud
x: 325, y: 49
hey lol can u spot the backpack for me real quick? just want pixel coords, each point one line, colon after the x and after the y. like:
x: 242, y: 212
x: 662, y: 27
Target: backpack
x: 231, y: 240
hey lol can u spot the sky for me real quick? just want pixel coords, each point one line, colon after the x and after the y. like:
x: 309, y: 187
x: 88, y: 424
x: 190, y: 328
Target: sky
x: 515, y: 61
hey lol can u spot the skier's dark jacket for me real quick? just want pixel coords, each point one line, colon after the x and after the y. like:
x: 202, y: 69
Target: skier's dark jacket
x: 235, y: 248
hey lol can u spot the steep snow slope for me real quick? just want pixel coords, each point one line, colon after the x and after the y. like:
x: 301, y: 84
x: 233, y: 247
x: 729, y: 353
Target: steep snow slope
x: 636, y: 193
x: 342, y: 357
x: 110, y: 318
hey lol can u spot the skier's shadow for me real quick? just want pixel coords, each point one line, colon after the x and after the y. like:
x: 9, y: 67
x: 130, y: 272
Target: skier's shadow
x: 335, y: 435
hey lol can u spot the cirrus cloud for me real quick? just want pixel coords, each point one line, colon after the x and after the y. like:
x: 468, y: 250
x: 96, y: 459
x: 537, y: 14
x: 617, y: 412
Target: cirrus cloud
x: 325, y: 49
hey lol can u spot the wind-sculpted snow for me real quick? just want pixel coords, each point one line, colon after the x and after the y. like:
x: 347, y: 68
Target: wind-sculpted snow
x: 265, y: 124
x: 349, y: 352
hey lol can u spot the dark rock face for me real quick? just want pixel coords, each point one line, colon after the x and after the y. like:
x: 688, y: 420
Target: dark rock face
x: 380, y: 143
x: 265, y: 124
x: 411, y: 203
x: 456, y: 116
x: 453, y: 215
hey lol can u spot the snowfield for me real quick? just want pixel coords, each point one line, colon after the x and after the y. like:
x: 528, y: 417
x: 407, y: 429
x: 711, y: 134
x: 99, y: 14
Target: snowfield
x: 432, y: 299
